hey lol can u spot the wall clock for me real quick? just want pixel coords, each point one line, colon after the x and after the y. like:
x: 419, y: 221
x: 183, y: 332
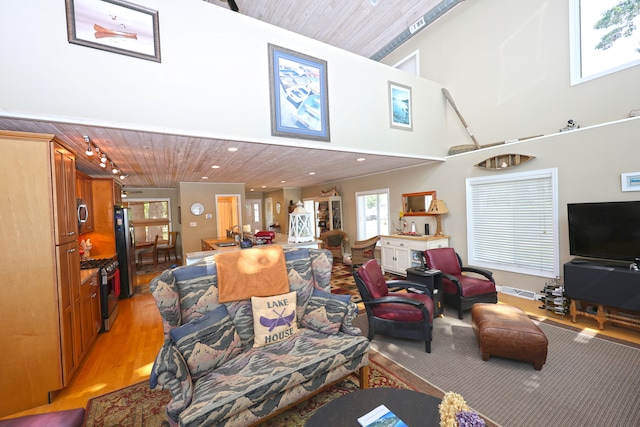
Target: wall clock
x: 197, y: 209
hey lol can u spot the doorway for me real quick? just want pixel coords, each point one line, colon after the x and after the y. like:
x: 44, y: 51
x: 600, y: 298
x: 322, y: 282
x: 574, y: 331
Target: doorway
x: 253, y: 215
x: 228, y: 214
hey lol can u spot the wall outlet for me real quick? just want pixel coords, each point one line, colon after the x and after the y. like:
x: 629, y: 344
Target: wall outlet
x: 208, y: 216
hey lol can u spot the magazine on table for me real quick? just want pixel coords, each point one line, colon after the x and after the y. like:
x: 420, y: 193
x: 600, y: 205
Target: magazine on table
x: 381, y: 417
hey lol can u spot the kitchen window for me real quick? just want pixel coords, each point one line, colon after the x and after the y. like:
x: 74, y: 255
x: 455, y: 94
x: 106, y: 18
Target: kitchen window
x: 150, y: 218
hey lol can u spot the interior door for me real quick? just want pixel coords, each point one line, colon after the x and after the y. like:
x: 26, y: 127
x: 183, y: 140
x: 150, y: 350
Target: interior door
x: 253, y: 214
x: 228, y: 214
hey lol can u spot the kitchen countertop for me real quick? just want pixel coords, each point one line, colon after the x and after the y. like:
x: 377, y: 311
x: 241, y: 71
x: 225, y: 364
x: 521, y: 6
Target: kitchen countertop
x: 281, y: 239
x: 87, y: 274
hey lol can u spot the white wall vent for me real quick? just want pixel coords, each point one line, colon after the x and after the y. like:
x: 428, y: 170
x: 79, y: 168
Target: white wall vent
x: 518, y: 292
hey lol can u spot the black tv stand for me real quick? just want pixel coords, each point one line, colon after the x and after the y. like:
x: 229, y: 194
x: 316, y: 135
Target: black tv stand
x: 610, y: 285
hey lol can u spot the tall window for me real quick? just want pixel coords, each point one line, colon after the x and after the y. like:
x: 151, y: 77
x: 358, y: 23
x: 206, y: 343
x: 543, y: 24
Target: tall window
x: 150, y: 218
x: 512, y: 222
x: 604, y: 37
x: 372, y: 210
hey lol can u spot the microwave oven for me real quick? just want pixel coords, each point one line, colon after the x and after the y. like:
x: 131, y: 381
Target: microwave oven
x: 83, y: 212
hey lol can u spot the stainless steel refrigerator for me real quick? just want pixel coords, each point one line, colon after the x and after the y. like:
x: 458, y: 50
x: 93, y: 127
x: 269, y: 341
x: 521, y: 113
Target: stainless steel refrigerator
x: 125, y: 247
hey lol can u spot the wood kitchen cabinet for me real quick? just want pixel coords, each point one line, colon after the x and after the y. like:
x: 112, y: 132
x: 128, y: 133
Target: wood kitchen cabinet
x: 84, y: 191
x: 90, y: 314
x: 399, y: 252
x: 40, y: 271
x: 64, y: 184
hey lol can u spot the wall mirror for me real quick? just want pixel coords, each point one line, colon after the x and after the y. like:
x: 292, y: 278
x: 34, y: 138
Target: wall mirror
x: 415, y: 204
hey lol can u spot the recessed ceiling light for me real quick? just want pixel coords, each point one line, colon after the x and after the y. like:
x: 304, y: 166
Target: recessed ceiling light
x: 215, y: 167
x: 204, y: 177
x: 251, y: 189
x: 233, y: 149
x: 263, y: 186
x: 360, y: 159
x: 312, y: 173
x: 283, y: 181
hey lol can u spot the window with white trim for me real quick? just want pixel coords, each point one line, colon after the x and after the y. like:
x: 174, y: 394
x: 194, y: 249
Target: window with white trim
x: 512, y: 222
x: 372, y: 210
x: 150, y: 217
x: 604, y: 37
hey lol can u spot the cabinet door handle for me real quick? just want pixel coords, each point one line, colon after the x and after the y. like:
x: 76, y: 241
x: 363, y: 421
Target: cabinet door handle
x: 93, y: 295
x: 70, y: 251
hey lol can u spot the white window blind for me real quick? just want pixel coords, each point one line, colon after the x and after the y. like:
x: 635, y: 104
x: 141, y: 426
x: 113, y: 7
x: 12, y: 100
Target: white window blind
x: 512, y: 222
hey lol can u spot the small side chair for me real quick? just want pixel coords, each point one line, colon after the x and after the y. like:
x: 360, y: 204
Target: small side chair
x: 334, y: 241
x: 460, y: 290
x: 402, y: 315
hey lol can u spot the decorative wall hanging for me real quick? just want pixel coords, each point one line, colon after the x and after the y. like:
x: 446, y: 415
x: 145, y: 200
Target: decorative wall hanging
x: 630, y: 181
x: 299, y: 98
x: 400, y: 108
x: 115, y: 26
x: 504, y: 161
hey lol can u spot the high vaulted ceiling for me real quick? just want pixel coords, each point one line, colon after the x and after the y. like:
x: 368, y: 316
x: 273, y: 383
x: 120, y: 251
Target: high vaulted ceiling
x: 153, y: 160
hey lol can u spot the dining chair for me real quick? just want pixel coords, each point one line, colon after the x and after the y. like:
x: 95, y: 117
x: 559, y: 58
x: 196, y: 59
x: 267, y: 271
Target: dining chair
x: 169, y: 247
x: 149, y: 252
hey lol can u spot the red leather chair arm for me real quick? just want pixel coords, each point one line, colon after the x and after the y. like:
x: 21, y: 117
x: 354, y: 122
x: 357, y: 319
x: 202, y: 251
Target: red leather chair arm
x: 486, y: 273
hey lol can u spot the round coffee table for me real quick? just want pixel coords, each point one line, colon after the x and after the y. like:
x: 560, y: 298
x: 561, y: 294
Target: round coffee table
x: 412, y: 407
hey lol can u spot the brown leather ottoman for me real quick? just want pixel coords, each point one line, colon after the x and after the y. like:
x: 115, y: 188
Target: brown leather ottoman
x: 506, y: 331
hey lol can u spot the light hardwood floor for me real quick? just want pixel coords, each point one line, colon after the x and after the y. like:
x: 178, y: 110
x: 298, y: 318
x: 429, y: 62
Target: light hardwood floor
x: 125, y: 355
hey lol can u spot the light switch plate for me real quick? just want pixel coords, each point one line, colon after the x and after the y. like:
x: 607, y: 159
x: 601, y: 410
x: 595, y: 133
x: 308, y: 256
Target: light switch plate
x: 193, y: 224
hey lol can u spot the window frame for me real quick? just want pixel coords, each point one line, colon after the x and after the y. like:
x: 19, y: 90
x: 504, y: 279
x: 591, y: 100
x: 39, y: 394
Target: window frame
x: 522, y: 258
x: 361, y: 229
x: 152, y: 222
x: 575, y: 49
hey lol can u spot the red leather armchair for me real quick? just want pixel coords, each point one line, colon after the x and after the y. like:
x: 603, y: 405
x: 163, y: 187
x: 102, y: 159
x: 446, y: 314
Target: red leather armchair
x: 402, y: 315
x: 461, y: 291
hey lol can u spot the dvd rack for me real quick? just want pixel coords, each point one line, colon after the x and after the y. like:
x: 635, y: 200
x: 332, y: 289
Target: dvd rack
x: 554, y: 298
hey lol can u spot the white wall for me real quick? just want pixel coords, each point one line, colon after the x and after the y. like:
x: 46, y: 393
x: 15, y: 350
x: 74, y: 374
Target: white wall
x: 213, y: 80
x: 506, y: 64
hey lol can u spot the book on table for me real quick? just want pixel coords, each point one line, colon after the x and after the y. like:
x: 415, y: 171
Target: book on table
x: 381, y: 416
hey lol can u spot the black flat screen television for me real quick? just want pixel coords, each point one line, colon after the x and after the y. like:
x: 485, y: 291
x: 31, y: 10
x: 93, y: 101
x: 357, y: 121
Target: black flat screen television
x: 608, y: 230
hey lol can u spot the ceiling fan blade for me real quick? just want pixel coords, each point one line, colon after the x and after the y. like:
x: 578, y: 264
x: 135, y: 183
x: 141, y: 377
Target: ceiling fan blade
x: 233, y: 6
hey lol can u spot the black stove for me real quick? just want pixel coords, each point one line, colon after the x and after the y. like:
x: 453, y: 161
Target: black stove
x: 108, y: 265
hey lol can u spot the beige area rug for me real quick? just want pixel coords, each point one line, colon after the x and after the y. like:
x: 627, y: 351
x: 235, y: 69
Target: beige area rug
x: 586, y: 381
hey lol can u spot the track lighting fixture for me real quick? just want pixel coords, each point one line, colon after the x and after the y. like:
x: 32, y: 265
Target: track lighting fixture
x: 89, y: 151
x: 104, y: 160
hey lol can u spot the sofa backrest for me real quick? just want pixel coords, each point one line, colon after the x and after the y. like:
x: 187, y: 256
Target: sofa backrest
x: 188, y: 292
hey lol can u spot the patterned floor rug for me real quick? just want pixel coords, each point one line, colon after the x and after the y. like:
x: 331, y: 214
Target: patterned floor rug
x: 342, y: 282
x: 139, y: 406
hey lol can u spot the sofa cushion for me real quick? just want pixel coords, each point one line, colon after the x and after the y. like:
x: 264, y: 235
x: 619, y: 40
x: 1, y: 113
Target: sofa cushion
x: 207, y: 342
x: 274, y: 318
x: 325, y: 312
x: 261, y: 372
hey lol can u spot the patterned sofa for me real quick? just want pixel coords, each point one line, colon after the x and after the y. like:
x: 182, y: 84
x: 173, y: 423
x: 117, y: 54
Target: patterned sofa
x: 246, y: 384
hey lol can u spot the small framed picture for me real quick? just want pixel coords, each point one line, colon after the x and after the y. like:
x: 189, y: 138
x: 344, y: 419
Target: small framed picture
x: 631, y: 181
x: 115, y: 26
x: 299, y: 99
x: 400, y: 108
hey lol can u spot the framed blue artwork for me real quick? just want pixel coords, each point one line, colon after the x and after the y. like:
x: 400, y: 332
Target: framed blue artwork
x: 400, y: 109
x: 299, y: 99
